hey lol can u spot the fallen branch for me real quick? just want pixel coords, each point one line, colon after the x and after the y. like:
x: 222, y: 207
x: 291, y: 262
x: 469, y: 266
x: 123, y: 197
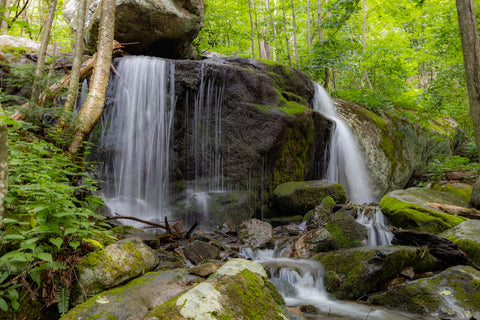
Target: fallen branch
x: 469, y: 213
x: 137, y: 219
x: 189, y: 232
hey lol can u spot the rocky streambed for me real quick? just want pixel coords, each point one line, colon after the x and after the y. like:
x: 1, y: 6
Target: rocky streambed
x: 211, y: 275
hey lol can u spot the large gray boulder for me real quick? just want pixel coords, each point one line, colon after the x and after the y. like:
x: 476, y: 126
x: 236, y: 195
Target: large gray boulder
x: 255, y: 233
x: 238, y: 290
x: 136, y: 298
x: 467, y: 236
x: 163, y: 28
x: 115, y: 264
x: 452, y: 294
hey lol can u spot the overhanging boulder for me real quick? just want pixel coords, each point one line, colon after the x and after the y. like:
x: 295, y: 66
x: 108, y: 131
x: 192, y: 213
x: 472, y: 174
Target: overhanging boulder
x: 162, y: 28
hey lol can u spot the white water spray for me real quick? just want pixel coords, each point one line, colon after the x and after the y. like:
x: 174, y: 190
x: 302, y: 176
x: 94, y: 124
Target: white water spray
x: 138, y: 128
x: 345, y: 163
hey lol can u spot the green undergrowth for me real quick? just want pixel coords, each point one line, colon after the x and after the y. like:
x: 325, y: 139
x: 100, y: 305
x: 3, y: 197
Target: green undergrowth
x: 51, y: 217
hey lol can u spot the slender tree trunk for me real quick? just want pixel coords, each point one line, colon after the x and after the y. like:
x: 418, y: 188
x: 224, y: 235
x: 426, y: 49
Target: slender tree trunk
x: 309, y: 25
x: 77, y: 59
x: 3, y: 163
x: 3, y: 7
x: 471, y: 58
x: 294, y: 25
x: 43, y: 50
x: 364, y: 39
x: 285, y: 32
x: 252, y: 34
x: 93, y: 107
x: 319, y: 19
x: 6, y: 15
x: 274, y: 30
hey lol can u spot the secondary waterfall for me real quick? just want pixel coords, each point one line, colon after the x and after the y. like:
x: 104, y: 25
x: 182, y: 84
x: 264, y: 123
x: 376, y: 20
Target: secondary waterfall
x: 138, y: 127
x: 345, y: 163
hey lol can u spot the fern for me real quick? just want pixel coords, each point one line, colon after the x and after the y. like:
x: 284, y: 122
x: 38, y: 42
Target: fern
x: 63, y: 295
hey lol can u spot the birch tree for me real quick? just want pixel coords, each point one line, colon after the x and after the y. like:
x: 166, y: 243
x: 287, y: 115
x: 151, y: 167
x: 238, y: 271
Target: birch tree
x: 94, y: 104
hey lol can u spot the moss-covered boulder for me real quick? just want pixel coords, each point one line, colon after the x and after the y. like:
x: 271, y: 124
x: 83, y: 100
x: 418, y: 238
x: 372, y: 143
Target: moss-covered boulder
x: 467, y: 236
x: 345, y: 230
x: 462, y: 190
x: 454, y: 293
x: 352, y: 273
x: 135, y: 299
x: 111, y: 266
x: 409, y: 209
x: 393, y: 147
x: 238, y: 290
x: 297, y: 198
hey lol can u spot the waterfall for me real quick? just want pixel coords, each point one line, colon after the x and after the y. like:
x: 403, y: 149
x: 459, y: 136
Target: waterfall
x: 138, y: 128
x: 346, y: 166
x: 345, y: 163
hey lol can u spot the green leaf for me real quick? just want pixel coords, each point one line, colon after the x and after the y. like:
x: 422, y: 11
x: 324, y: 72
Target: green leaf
x: 12, y: 294
x: 15, y: 304
x: 45, y: 256
x: 74, y: 244
x: 57, y: 241
x: 3, y: 304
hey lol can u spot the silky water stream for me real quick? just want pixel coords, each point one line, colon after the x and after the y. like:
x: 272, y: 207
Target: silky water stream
x: 300, y: 281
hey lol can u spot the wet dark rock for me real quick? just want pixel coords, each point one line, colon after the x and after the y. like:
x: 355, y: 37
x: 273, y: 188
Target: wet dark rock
x: 199, y: 251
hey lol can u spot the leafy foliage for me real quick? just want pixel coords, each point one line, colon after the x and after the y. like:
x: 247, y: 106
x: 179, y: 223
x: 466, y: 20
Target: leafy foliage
x: 51, y: 209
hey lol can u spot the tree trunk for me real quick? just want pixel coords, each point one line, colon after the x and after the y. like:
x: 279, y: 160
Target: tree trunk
x: 77, y: 59
x: 364, y: 39
x: 252, y: 41
x: 294, y: 25
x: 3, y: 163
x: 274, y: 30
x: 471, y: 58
x: 93, y: 107
x: 309, y: 25
x: 6, y: 15
x: 43, y: 50
x: 285, y: 32
x: 319, y: 19
x: 3, y: 6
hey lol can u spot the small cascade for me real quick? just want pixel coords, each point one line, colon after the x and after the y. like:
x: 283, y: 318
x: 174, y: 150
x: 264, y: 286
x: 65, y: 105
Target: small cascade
x: 345, y: 163
x: 300, y: 282
x: 373, y: 219
x: 206, y: 133
x: 138, y: 128
x: 81, y: 97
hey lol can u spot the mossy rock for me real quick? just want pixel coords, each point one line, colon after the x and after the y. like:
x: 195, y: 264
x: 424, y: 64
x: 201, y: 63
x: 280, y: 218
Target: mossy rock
x: 346, y: 231
x: 454, y: 293
x: 238, y: 290
x: 111, y: 266
x: 136, y: 298
x: 297, y: 198
x: 352, y: 273
x: 467, y: 236
x: 462, y: 190
x: 409, y: 209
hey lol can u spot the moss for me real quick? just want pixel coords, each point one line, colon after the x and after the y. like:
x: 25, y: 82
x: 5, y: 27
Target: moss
x: 292, y: 108
x: 410, y: 216
x: 360, y: 270
x: 461, y: 190
x: 346, y: 232
x: 16, y: 52
x: 471, y: 249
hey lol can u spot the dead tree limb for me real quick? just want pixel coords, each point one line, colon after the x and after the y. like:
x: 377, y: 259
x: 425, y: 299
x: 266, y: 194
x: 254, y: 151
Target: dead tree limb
x: 137, y: 219
x: 469, y: 213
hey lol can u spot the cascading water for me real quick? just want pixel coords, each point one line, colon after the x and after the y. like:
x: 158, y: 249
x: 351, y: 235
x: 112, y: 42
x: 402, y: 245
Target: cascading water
x: 138, y: 127
x: 345, y: 163
x: 378, y: 233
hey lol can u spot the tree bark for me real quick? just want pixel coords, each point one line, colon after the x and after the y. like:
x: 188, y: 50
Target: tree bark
x: 309, y: 25
x: 93, y: 107
x: 471, y: 58
x: 77, y: 59
x: 294, y: 25
x: 364, y: 39
x: 6, y: 15
x: 3, y: 163
x: 43, y: 50
x: 252, y: 34
x: 319, y: 20
x: 3, y: 7
x: 285, y: 32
